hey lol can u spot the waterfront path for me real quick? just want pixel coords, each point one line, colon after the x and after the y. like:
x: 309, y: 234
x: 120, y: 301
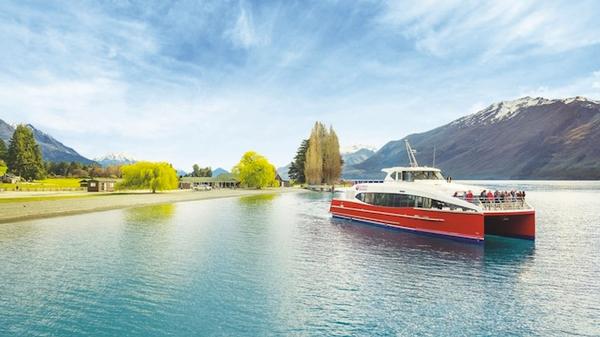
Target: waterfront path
x: 17, y: 206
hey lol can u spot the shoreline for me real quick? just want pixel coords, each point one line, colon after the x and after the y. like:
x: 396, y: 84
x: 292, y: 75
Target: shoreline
x: 34, y: 206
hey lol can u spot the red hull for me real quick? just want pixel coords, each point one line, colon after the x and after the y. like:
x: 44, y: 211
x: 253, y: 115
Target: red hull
x: 466, y: 225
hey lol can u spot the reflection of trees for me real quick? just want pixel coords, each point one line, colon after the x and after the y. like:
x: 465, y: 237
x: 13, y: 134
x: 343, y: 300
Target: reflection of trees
x: 150, y: 214
x: 256, y: 199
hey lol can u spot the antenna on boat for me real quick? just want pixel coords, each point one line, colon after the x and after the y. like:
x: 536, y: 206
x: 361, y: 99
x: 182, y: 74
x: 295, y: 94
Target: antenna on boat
x: 411, y: 154
x: 433, y: 164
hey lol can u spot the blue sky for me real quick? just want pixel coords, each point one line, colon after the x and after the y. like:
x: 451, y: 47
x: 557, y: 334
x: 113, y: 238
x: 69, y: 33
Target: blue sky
x: 204, y: 81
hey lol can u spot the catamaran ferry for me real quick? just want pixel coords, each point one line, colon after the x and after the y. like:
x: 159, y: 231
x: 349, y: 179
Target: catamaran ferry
x: 420, y: 199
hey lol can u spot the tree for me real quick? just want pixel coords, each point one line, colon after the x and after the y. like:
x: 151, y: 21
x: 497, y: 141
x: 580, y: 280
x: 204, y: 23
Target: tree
x: 24, y: 155
x: 313, y: 167
x: 254, y: 171
x: 323, y: 161
x: 198, y: 171
x: 296, y: 170
x: 3, y: 151
x: 332, y: 159
x: 3, y: 168
x: 147, y: 175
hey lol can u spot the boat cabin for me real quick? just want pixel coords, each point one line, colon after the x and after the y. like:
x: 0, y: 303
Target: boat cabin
x: 409, y: 174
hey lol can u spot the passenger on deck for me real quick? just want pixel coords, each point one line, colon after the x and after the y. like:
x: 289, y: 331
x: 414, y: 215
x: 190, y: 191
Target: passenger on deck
x: 490, y: 197
x: 482, y: 196
x: 469, y: 197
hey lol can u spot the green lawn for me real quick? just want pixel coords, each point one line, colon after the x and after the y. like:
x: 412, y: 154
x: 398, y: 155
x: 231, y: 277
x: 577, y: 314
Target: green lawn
x: 46, y: 184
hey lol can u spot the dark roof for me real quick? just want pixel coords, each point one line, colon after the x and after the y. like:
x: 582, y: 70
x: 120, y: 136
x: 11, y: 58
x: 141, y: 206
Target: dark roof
x: 103, y: 179
x: 220, y: 178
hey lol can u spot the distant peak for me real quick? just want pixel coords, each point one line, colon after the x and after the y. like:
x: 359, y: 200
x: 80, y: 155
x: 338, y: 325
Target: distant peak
x: 579, y: 99
x: 505, y: 110
x: 115, y: 156
x: 357, y: 147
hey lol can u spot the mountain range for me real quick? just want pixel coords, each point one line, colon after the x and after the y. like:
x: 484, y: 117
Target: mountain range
x: 218, y: 171
x: 112, y: 159
x: 527, y: 138
x: 52, y: 149
x: 357, y: 155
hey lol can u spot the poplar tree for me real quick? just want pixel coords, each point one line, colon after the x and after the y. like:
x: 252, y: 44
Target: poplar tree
x: 323, y: 162
x: 313, y: 168
x: 24, y: 155
x: 332, y: 159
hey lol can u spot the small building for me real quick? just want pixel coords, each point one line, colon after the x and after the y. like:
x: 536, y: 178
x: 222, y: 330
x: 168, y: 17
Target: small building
x: 83, y: 183
x: 282, y: 182
x: 10, y: 178
x: 101, y: 185
x: 222, y: 181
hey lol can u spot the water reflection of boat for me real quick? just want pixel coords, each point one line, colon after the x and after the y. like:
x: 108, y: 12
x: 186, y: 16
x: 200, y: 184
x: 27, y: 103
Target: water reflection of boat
x: 407, y: 241
x: 496, y: 249
x: 420, y: 199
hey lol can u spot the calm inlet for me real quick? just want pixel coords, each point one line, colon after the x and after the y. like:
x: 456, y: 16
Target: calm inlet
x: 279, y: 265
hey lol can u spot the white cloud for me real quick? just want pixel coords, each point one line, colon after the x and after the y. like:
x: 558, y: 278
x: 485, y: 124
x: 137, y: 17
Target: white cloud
x: 587, y: 86
x: 494, y: 28
x: 244, y: 33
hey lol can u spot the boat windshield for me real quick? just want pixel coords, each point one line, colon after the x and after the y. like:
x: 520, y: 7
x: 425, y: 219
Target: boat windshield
x: 421, y: 175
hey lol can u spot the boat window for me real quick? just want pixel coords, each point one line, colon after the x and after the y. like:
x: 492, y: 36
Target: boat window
x: 427, y: 175
x: 387, y: 199
x: 407, y: 176
x: 406, y: 200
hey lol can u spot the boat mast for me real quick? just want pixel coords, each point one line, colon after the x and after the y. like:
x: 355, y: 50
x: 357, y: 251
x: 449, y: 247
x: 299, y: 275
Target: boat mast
x: 411, y: 154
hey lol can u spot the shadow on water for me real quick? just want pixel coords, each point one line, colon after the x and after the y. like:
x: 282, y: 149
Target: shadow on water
x: 501, y: 249
x: 150, y: 215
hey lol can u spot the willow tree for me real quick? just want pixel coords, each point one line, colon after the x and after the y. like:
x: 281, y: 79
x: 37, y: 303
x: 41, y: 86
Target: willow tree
x: 313, y: 167
x: 147, y: 175
x: 254, y: 171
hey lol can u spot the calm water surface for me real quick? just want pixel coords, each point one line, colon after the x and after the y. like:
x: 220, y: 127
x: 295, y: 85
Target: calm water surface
x: 279, y: 265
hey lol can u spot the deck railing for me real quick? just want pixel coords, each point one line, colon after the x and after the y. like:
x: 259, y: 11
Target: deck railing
x: 498, y: 204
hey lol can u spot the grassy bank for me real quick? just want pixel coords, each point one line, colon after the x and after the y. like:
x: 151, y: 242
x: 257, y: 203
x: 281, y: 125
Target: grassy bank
x: 45, y: 184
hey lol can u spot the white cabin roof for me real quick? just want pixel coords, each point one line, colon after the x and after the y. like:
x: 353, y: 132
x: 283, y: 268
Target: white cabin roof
x: 410, y: 169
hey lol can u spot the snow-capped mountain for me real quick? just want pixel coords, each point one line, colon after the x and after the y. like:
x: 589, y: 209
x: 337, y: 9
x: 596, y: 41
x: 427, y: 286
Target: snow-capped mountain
x: 510, y: 109
x: 357, y: 156
x: 118, y: 158
x: 52, y: 149
x: 527, y: 138
x: 357, y: 147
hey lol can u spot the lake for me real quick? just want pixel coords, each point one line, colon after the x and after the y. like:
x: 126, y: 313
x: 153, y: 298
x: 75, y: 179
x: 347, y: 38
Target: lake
x: 279, y: 265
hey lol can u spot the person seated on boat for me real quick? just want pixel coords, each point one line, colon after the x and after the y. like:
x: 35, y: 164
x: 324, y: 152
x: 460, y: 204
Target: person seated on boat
x: 496, y: 196
x: 490, y: 197
x: 482, y: 196
x: 469, y: 196
x: 455, y: 194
